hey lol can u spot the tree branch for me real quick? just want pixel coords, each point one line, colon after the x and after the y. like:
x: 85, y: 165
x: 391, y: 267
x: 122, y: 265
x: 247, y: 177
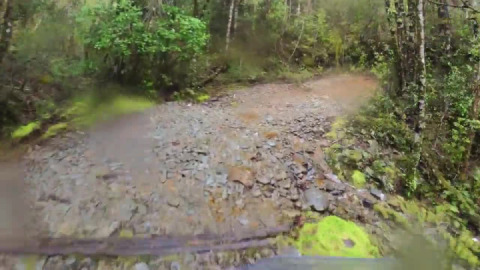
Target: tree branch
x: 464, y: 6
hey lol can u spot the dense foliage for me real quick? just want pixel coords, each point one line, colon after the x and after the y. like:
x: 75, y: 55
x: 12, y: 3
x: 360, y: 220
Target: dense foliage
x: 58, y: 49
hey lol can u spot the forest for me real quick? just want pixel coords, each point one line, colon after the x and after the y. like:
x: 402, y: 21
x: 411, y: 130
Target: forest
x: 417, y: 137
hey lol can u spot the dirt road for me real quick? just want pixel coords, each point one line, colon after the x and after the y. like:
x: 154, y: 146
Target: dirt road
x: 233, y: 164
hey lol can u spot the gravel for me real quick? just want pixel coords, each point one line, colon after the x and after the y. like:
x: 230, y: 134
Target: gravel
x: 169, y: 170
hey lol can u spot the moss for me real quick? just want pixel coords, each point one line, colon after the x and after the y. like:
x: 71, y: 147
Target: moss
x: 358, y: 179
x: 54, y: 130
x: 336, y: 131
x: 125, y: 233
x: 202, y: 98
x: 383, y: 211
x: 32, y: 262
x: 333, y: 236
x: 390, y: 214
x: 355, y: 155
x: 87, y: 112
x: 24, y: 131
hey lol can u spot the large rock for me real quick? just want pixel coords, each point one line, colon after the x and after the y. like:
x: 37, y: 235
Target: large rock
x: 319, y: 200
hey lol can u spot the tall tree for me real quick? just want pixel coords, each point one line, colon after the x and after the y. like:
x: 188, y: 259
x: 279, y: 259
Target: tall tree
x: 444, y: 27
x: 229, y: 25
x: 420, y: 84
x: 6, y: 28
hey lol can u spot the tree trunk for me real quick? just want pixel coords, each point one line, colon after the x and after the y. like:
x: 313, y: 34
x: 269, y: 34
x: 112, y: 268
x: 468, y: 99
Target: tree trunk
x: 195, y: 8
x: 444, y: 28
x: 6, y: 29
x: 229, y: 25
x: 421, y: 85
x: 235, y: 18
x: 411, y: 51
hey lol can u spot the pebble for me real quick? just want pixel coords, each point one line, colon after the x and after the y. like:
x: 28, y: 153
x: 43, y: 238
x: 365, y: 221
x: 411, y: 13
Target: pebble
x: 141, y: 266
x: 243, y: 220
x: 173, y: 201
x: 271, y: 143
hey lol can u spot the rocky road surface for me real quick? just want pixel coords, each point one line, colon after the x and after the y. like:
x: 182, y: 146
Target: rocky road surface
x: 248, y: 160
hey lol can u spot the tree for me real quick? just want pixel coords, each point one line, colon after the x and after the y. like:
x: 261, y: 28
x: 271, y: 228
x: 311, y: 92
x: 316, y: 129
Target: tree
x: 6, y: 28
x: 229, y: 24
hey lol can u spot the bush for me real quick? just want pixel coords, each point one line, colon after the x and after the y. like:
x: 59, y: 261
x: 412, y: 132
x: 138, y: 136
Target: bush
x: 159, y: 50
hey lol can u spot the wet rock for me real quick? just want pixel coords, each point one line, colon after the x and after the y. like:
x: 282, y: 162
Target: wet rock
x: 334, y: 188
x: 317, y: 199
x: 141, y: 266
x: 378, y: 194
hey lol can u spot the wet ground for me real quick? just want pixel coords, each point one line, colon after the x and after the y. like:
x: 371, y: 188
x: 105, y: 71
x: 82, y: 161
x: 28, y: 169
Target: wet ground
x: 238, y: 163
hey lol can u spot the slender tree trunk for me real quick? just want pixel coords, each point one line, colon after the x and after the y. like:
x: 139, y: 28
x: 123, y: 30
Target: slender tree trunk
x: 229, y: 25
x: 235, y: 18
x: 195, y: 8
x: 444, y: 28
x: 412, y: 45
x: 421, y: 85
x: 6, y: 29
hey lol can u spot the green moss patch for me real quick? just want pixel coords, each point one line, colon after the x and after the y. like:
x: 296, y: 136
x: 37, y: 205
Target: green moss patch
x: 333, y: 236
x: 54, y: 130
x: 359, y: 179
x: 337, y: 130
x: 87, y: 111
x: 23, y: 131
x: 202, y: 98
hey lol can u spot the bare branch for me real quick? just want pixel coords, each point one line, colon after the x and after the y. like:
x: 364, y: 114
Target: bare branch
x: 465, y: 5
